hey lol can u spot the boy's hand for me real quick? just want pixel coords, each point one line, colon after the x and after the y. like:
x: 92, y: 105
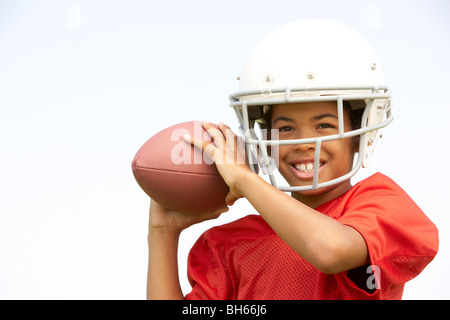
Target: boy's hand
x: 228, y: 153
x: 165, y: 227
x: 165, y: 219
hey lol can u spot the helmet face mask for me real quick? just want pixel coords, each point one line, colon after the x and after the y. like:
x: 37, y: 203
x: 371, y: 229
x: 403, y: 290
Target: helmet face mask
x: 310, y: 72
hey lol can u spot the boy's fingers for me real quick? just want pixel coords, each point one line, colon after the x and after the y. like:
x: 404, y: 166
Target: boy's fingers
x: 210, y: 215
x: 206, y: 146
x: 231, y: 198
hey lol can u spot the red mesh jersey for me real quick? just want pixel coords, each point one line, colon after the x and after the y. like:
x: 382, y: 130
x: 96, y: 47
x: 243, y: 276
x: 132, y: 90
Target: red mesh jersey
x: 246, y: 259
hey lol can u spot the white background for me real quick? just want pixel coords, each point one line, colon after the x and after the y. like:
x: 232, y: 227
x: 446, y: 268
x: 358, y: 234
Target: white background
x: 83, y: 84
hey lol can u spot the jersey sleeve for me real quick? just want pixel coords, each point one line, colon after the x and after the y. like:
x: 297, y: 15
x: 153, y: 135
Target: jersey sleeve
x: 400, y: 238
x: 207, y: 272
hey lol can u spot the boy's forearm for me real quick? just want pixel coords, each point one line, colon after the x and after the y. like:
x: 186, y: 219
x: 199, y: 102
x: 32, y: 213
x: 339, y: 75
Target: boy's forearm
x: 162, y: 279
x: 323, y: 241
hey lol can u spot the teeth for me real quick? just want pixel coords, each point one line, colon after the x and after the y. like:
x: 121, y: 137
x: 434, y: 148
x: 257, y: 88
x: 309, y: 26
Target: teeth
x: 309, y: 167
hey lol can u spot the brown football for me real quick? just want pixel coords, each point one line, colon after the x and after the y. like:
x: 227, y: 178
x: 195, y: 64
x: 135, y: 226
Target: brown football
x: 177, y: 175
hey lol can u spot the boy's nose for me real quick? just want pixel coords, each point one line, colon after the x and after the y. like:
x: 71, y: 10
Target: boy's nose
x: 304, y: 147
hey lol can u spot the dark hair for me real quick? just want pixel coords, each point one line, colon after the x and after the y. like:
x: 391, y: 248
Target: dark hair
x: 355, y: 115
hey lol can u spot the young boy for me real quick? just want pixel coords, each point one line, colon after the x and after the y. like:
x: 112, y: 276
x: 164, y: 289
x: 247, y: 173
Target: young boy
x: 328, y: 239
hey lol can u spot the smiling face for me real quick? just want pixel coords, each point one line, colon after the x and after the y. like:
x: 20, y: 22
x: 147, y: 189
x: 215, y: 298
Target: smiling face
x: 296, y: 162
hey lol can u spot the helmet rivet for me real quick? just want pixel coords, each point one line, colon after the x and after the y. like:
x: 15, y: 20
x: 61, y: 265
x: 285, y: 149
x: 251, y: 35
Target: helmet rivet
x: 310, y: 75
x: 268, y: 78
x: 373, y: 66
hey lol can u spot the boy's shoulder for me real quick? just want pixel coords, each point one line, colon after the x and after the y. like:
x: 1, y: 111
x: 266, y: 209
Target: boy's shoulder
x: 376, y: 180
x: 376, y: 199
x: 376, y: 185
x: 379, y: 186
x: 378, y: 189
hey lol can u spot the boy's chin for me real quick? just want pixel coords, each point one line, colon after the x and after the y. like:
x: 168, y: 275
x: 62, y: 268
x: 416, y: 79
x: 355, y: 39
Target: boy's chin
x: 310, y: 193
x: 333, y: 190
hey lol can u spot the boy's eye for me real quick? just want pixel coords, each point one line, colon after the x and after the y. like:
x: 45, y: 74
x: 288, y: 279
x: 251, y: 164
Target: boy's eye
x: 326, y: 126
x: 285, y: 129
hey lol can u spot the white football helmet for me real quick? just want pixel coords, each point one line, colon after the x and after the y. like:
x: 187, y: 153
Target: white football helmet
x: 311, y: 61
